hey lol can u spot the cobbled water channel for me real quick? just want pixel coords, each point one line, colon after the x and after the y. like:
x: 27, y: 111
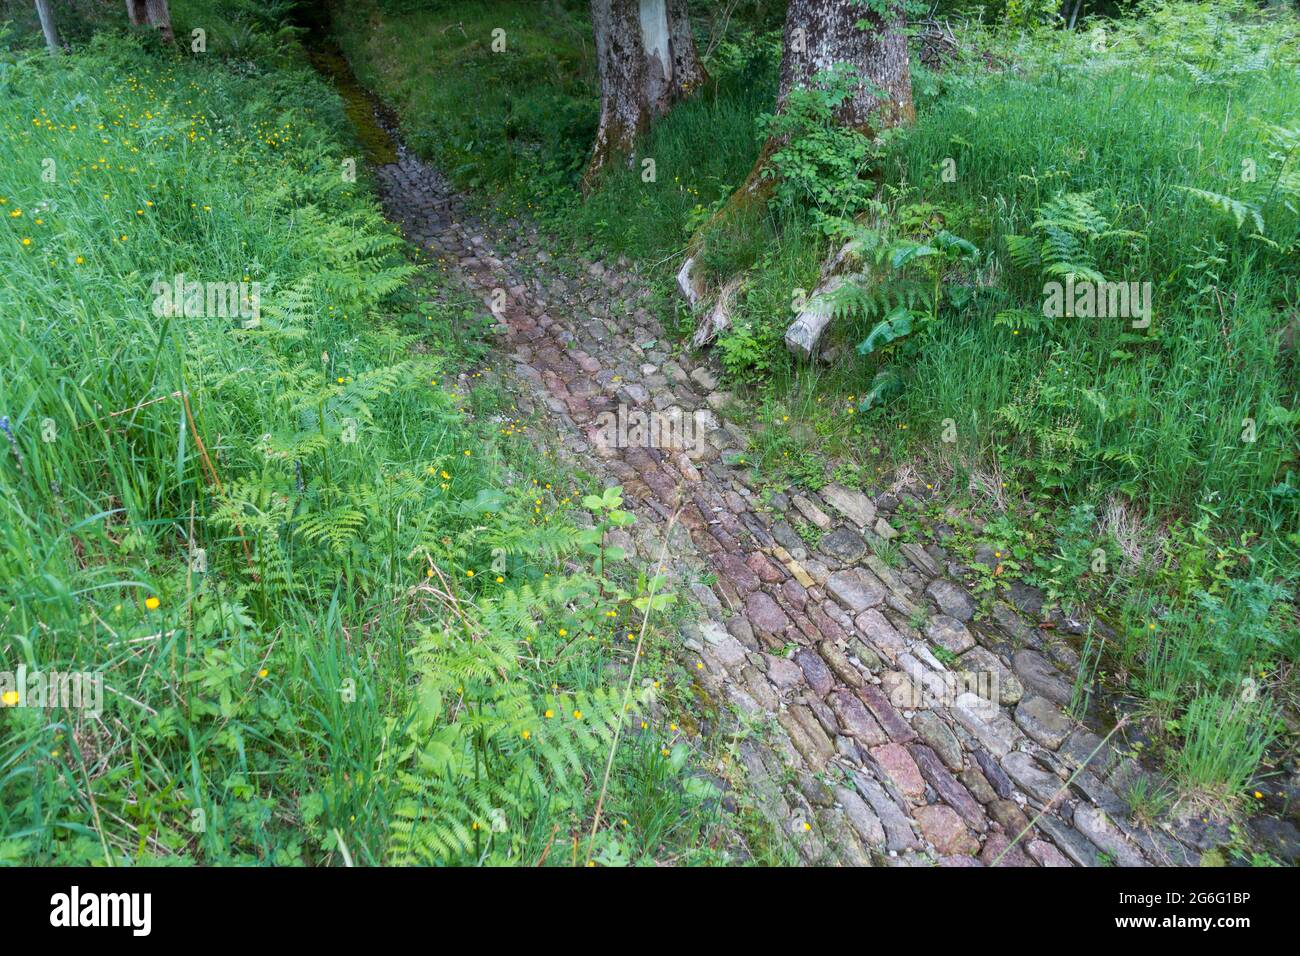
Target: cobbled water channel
x: 876, y: 751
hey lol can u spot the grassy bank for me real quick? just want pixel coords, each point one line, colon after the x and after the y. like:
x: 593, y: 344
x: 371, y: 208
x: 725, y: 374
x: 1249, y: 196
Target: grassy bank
x: 1145, y: 473
x: 341, y: 611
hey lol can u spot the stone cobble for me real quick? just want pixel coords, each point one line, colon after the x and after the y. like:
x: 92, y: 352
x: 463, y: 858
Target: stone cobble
x: 883, y: 744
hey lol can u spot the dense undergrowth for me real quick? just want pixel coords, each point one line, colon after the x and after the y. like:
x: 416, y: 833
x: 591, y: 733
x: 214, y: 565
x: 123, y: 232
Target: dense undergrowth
x: 343, y: 611
x: 1149, y: 473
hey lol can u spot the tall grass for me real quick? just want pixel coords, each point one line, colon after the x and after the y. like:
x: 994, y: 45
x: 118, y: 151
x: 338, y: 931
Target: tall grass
x: 286, y: 547
x: 1177, y: 398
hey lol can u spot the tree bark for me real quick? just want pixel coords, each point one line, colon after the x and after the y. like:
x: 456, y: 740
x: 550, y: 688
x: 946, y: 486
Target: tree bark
x: 688, y: 71
x: 47, y: 26
x: 160, y: 18
x: 818, y: 35
x: 822, y: 33
x: 156, y: 13
x: 647, y: 61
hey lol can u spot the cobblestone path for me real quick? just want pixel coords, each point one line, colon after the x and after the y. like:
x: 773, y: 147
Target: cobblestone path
x: 878, y: 752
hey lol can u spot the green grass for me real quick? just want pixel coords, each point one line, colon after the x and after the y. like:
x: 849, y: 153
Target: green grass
x: 1175, y: 399
x: 488, y: 116
x: 1224, y: 740
x: 398, y: 610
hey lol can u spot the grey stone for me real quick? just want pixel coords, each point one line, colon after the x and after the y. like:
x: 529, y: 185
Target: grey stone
x: 928, y: 675
x: 951, y: 599
x: 1084, y: 747
x: 741, y: 630
x: 854, y: 505
x: 1043, y: 721
x: 884, y: 529
x: 1030, y: 777
x: 728, y: 651
x: 783, y: 533
x: 982, y: 719
x: 707, y: 599
x: 1094, y: 824
x: 1070, y: 841
x: 920, y: 559
x: 704, y: 378
x: 899, y: 834
x: 1037, y: 674
x: 856, y: 589
x: 880, y: 634
x: 809, y: 510
x: 1011, y: 624
x: 1097, y: 793
x: 1280, y: 838
x: 861, y: 817
x: 984, y: 666
x: 949, y: 633
x: 784, y: 674
x: 931, y: 728
x: 760, y: 690
x: 843, y: 841
x: 844, y: 545
x: 1026, y: 598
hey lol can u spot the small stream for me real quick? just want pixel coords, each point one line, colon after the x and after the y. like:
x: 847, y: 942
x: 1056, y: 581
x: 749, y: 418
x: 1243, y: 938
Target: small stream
x: 372, y: 121
x: 375, y: 124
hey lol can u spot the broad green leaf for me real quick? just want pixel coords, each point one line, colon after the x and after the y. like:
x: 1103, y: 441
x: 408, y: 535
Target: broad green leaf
x: 947, y: 241
x: 905, y: 252
x: 893, y: 326
x: 886, y: 384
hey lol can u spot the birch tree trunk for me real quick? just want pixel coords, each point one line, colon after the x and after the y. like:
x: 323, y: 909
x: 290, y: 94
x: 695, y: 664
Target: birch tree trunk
x: 135, y: 11
x: 647, y: 61
x: 47, y: 26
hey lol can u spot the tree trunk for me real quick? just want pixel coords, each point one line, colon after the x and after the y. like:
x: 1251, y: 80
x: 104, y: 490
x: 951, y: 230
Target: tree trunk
x: 820, y: 34
x: 160, y: 18
x: 688, y: 71
x: 47, y: 26
x: 647, y: 60
x: 153, y: 12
